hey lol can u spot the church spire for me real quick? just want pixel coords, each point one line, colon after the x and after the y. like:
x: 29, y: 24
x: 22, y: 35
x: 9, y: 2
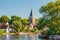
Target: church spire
x: 31, y: 19
x: 31, y: 14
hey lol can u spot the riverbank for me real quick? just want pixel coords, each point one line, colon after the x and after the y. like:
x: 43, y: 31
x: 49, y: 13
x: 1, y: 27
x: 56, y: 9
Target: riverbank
x: 20, y: 33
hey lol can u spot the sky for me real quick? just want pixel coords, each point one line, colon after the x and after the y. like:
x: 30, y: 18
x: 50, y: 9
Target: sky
x: 21, y: 8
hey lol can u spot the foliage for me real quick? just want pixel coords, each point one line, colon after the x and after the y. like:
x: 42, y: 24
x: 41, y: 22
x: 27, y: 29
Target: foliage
x: 37, y: 20
x: 25, y: 21
x: 4, y: 18
x: 1, y: 32
x: 33, y: 30
x: 15, y: 18
x: 17, y: 26
x: 51, y: 18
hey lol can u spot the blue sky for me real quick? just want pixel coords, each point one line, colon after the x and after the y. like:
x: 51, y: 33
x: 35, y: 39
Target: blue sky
x: 21, y: 8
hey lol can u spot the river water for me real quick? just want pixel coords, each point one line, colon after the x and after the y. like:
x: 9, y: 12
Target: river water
x: 23, y: 37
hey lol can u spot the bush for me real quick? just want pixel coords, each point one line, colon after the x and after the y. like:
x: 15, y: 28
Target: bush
x: 1, y: 32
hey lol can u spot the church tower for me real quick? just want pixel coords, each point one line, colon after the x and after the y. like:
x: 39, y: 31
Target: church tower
x: 31, y: 20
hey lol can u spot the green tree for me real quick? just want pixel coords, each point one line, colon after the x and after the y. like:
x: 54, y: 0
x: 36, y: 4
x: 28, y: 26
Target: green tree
x: 25, y: 21
x: 17, y: 26
x: 15, y: 18
x: 4, y: 18
x: 51, y: 17
x: 0, y: 19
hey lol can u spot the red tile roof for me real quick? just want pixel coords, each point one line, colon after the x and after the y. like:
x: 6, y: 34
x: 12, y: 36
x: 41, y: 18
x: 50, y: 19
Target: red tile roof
x: 3, y: 25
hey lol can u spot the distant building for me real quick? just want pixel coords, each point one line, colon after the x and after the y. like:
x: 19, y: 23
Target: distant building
x: 3, y: 25
x: 31, y: 20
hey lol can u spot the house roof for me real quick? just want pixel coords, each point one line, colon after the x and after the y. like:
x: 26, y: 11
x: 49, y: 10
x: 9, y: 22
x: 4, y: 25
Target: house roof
x: 3, y: 25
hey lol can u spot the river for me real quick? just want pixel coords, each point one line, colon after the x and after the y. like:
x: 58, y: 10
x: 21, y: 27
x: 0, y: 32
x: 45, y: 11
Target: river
x: 22, y: 37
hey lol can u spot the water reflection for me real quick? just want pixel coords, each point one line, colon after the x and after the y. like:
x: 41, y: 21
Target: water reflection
x: 24, y: 37
x: 7, y: 37
x: 31, y: 37
x: 14, y: 37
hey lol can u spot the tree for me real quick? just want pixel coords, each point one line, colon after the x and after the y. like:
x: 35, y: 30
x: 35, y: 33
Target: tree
x: 4, y: 18
x: 25, y: 21
x: 15, y: 18
x: 51, y: 18
x: 17, y: 26
x: 0, y: 19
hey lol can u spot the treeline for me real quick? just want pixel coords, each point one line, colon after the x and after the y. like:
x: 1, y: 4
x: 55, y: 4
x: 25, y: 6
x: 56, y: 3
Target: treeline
x: 19, y: 24
x: 5, y: 18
